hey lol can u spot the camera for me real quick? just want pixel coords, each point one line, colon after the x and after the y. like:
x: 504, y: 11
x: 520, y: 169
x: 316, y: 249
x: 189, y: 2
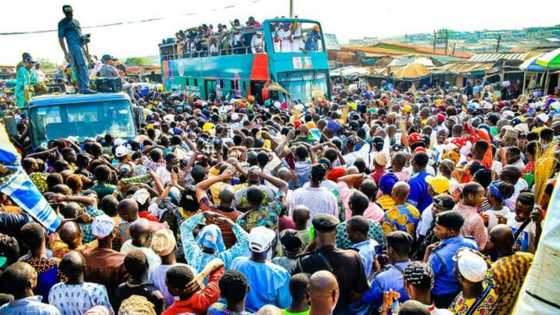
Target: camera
x: 86, y: 38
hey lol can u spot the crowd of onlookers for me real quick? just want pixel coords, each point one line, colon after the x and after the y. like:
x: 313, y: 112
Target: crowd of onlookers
x: 374, y: 202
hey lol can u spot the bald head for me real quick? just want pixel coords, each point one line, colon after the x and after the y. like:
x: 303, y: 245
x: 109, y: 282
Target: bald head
x: 400, y: 192
x: 128, y: 210
x: 139, y: 232
x: 284, y: 173
x: 501, y: 236
x: 253, y: 175
x: 226, y: 196
x: 323, y: 290
x: 72, y: 266
x: 352, y: 170
x: 412, y: 307
x: 70, y: 234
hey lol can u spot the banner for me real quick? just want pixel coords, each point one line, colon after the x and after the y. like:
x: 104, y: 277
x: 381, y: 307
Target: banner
x: 539, y: 294
x: 16, y: 184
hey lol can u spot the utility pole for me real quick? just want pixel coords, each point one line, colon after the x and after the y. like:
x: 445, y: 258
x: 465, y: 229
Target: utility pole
x: 446, y: 41
x: 291, y: 8
x: 435, y: 39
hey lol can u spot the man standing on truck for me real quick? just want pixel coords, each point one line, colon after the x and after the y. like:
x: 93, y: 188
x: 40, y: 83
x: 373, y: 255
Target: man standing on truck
x: 23, y: 81
x: 74, y: 53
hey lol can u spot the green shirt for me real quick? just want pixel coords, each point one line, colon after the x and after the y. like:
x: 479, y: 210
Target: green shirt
x: 286, y: 312
x: 102, y: 189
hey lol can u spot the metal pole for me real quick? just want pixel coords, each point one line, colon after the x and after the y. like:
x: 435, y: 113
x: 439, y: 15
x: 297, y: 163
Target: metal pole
x: 291, y: 8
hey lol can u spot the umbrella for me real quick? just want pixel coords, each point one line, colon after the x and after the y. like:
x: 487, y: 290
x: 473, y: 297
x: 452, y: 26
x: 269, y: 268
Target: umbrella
x: 531, y: 65
x: 411, y: 72
x: 550, y: 60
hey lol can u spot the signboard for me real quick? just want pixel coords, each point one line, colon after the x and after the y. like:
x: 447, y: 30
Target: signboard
x: 296, y: 62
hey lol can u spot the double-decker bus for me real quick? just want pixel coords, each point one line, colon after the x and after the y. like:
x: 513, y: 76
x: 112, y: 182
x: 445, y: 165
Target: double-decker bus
x: 281, y: 59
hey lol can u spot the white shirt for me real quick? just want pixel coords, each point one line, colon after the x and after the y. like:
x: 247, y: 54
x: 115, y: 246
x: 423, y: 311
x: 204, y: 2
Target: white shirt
x: 317, y: 199
x: 153, y: 259
x: 257, y: 44
x: 286, y: 44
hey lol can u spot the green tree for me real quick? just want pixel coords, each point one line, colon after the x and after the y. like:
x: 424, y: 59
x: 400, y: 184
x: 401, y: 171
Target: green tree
x: 138, y: 61
x: 46, y: 64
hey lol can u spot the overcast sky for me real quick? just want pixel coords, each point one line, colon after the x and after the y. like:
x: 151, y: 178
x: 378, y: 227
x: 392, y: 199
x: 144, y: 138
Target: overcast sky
x: 347, y: 19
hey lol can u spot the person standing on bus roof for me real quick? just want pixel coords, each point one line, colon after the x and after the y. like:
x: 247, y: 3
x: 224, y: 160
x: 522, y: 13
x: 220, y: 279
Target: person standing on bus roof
x: 70, y: 29
x: 312, y: 40
x: 297, y: 37
x: 285, y: 36
x: 257, y: 44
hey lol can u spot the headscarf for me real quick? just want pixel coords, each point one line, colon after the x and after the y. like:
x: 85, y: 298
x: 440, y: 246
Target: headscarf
x: 494, y: 189
x: 211, y: 237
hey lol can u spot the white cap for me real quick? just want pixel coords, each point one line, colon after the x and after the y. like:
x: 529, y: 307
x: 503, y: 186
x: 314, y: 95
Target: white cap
x: 121, y: 151
x: 260, y: 239
x: 141, y: 195
x: 471, y: 265
x: 168, y: 118
x: 543, y: 117
x: 102, y: 226
x: 508, y: 114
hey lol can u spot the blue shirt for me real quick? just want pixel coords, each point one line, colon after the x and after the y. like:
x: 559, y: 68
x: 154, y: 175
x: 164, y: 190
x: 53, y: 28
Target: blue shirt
x: 366, y: 249
x: 71, y: 30
x: 441, y: 261
x: 390, y: 278
x: 419, y: 196
x: 269, y: 283
x: 28, y: 306
x: 199, y: 259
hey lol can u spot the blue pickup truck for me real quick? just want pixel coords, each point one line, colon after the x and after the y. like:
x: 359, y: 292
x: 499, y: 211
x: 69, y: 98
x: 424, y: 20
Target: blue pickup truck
x: 80, y: 116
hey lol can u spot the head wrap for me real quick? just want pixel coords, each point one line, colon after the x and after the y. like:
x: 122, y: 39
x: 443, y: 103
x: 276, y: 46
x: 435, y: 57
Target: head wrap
x: 211, y: 237
x: 163, y: 242
x: 102, y: 226
x: 494, y: 189
x: 137, y: 305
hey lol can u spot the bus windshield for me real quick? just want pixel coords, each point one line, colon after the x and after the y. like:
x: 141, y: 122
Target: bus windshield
x: 293, y: 36
x: 86, y: 120
x: 303, y: 85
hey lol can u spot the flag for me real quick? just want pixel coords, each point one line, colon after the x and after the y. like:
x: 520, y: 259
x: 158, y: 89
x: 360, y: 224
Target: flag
x: 16, y: 184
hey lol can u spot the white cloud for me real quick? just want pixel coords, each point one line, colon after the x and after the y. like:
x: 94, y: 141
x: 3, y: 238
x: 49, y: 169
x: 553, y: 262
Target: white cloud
x: 347, y: 19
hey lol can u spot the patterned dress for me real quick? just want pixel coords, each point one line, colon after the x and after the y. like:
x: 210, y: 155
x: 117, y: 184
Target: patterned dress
x: 78, y: 298
x: 482, y: 305
x: 47, y: 274
x: 509, y: 273
x: 403, y: 217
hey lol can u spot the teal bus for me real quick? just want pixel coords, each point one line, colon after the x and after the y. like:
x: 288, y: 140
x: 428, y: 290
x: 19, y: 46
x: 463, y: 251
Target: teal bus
x: 282, y: 59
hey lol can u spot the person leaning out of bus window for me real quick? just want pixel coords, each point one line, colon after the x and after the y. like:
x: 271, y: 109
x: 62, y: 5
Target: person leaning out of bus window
x: 257, y: 44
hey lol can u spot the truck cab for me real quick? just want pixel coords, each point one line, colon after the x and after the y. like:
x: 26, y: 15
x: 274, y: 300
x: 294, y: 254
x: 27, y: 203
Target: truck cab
x: 80, y: 117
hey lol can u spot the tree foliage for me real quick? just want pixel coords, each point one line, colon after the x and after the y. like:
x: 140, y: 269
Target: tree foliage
x: 138, y: 61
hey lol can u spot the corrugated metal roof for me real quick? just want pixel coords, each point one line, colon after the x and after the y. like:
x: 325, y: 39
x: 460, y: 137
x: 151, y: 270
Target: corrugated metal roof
x: 464, y: 67
x: 493, y: 57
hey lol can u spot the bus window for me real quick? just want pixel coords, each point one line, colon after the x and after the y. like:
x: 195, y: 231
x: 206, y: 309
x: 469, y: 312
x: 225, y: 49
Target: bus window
x: 296, y: 37
x: 244, y: 86
x: 222, y: 83
x: 195, y: 83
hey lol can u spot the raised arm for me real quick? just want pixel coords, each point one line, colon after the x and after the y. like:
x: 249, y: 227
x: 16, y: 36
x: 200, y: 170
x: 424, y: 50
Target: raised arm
x: 200, y: 188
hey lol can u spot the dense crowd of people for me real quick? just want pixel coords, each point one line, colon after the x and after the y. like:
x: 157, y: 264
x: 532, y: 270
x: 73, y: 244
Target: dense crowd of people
x: 204, y: 40
x: 429, y: 201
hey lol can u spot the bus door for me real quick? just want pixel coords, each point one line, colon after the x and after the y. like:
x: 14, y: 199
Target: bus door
x: 210, y: 89
x: 256, y: 90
